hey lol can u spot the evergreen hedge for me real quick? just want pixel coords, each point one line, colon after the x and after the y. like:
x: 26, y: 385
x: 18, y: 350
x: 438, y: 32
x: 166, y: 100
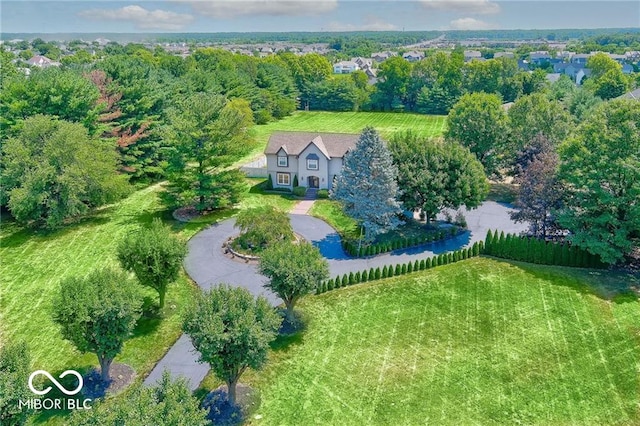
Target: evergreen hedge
x: 533, y: 250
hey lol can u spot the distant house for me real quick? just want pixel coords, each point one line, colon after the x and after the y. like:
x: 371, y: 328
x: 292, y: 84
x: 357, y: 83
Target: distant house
x: 553, y: 77
x: 470, y: 55
x: 580, y: 58
x: 618, y: 58
x: 627, y: 68
x: 581, y: 74
x: 345, y: 67
x: 382, y: 56
x: 539, y: 56
x: 314, y: 158
x: 42, y: 62
x: 363, y: 62
x: 502, y: 55
x: 413, y: 56
x: 523, y: 65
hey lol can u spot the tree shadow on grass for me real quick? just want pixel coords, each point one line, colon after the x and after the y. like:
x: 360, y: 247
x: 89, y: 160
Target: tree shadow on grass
x: 614, y: 286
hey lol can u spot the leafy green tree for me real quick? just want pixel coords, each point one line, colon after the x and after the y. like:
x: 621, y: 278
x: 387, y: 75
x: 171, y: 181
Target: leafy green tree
x: 169, y: 403
x: 433, y: 175
x: 539, y: 193
x: 97, y: 313
x: 14, y: 373
x: 232, y: 330
x: 154, y: 255
x: 367, y: 186
x: 209, y: 133
x: 479, y: 123
x: 533, y: 115
x: 65, y: 94
x: 611, y: 85
x: 393, y: 81
x: 600, y: 170
x: 53, y: 171
x: 294, y: 270
x: 261, y: 227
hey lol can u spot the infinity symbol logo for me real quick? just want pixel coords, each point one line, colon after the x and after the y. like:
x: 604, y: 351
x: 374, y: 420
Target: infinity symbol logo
x: 55, y: 382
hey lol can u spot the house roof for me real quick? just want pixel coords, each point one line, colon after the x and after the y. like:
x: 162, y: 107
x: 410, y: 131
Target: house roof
x: 332, y: 145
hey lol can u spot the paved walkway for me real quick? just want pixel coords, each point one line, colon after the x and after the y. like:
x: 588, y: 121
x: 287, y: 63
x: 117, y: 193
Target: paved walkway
x: 207, y: 265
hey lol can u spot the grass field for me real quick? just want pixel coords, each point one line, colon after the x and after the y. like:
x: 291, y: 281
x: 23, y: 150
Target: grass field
x: 386, y: 123
x: 477, y: 342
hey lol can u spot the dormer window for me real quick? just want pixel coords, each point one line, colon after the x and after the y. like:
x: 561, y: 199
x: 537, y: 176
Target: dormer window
x: 283, y: 161
x: 312, y: 162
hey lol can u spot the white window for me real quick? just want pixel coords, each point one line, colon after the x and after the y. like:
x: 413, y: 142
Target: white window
x: 312, y: 164
x: 283, y: 179
x: 283, y: 161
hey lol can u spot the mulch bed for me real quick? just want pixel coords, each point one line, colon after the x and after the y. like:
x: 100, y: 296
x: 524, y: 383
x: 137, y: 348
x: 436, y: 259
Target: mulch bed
x: 120, y: 376
x: 221, y: 412
x: 185, y: 214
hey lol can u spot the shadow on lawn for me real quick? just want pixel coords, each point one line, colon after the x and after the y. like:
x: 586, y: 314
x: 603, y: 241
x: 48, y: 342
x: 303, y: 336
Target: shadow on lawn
x: 611, y: 285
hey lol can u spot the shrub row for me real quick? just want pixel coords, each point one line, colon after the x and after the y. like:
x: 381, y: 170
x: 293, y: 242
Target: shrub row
x: 533, y: 250
x: 399, y: 269
x: 299, y: 191
x: 352, y: 249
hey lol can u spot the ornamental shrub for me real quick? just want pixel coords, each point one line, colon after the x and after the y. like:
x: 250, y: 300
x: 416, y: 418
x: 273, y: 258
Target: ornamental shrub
x: 352, y: 279
x: 295, y: 180
x: 385, y: 272
x: 377, y: 274
x: 356, y: 278
x: 345, y: 280
x: 425, y: 264
x: 403, y: 269
x: 299, y: 191
x: 323, y: 193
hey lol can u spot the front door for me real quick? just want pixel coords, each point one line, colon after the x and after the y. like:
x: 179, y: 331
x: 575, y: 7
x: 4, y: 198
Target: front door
x: 313, y: 182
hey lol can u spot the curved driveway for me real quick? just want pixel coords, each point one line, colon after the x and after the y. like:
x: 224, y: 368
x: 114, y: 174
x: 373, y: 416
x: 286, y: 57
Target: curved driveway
x: 207, y: 265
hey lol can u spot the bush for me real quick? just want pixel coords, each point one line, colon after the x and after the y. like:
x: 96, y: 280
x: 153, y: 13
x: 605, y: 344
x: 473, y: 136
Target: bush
x: 299, y: 191
x: 345, y: 280
x: 377, y: 273
x: 295, y: 180
x: 323, y: 193
x: 460, y: 220
x: 385, y: 272
x: 427, y: 264
x: 269, y: 183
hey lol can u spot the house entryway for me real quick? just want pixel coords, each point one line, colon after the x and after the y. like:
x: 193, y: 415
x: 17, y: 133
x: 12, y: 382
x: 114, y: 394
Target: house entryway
x: 313, y: 182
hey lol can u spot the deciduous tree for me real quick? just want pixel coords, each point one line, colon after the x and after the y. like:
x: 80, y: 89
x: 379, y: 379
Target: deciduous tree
x: 154, y: 254
x: 367, y: 186
x: 53, y: 171
x: 97, y: 313
x: 600, y: 170
x: 294, y: 270
x: 14, y: 373
x: 232, y: 330
x: 169, y: 403
x: 479, y: 123
x: 433, y: 175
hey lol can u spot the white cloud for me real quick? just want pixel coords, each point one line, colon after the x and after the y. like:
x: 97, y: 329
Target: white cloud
x: 142, y: 18
x: 370, y: 23
x: 233, y: 8
x: 481, y: 7
x: 470, y: 24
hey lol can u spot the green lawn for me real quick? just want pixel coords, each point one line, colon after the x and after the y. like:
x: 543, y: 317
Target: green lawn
x: 34, y: 263
x: 476, y: 342
x: 386, y: 123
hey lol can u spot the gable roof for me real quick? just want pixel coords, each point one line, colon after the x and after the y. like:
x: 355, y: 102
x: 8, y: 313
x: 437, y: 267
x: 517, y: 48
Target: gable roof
x: 332, y: 145
x: 631, y: 95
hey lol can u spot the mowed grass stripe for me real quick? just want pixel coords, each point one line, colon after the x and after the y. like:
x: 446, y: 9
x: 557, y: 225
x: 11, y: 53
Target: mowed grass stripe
x: 476, y: 342
x: 34, y: 263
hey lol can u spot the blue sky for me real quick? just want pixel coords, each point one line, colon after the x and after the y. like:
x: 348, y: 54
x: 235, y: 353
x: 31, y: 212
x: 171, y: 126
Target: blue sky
x: 47, y: 16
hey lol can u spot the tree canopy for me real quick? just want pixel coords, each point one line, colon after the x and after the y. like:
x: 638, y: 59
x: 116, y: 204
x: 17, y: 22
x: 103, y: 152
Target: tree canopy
x: 209, y: 133
x: 433, y: 175
x: 367, y: 186
x: 53, y: 171
x: 294, y: 270
x: 14, y: 372
x: 479, y: 123
x: 154, y: 255
x: 261, y: 227
x: 231, y: 330
x: 600, y: 171
x: 97, y: 313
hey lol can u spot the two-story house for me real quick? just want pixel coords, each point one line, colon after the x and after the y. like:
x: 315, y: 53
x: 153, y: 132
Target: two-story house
x: 314, y: 158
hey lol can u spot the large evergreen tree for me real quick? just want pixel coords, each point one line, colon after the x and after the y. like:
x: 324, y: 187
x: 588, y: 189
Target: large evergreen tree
x: 367, y: 186
x: 600, y: 170
x: 210, y: 133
